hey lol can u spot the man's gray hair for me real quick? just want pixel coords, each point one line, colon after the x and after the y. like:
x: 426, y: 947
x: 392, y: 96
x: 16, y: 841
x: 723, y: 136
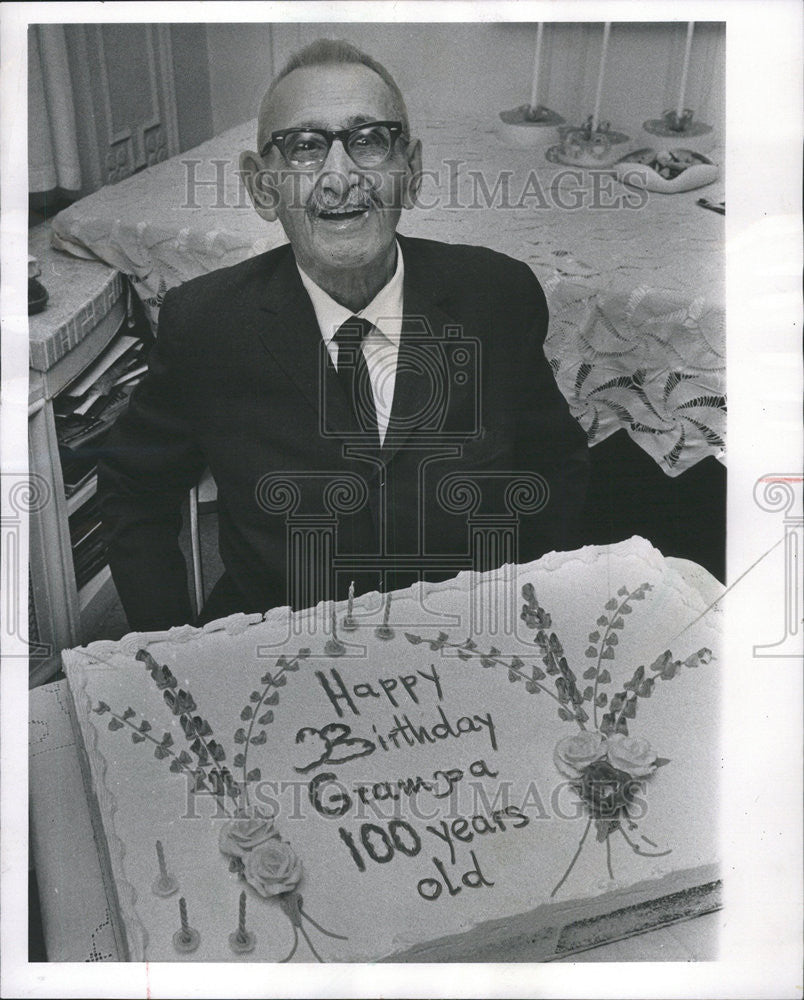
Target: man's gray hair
x: 333, y: 52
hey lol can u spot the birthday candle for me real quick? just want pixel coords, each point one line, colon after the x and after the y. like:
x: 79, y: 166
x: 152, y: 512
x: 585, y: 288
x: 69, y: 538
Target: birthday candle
x: 160, y: 854
x: 684, y: 71
x: 241, y: 922
x: 387, y: 614
x: 534, y: 90
x: 600, y: 73
x: 351, y: 601
x: 185, y: 927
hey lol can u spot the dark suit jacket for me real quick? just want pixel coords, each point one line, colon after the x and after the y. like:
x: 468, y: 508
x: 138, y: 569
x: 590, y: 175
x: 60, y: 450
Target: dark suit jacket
x: 238, y: 382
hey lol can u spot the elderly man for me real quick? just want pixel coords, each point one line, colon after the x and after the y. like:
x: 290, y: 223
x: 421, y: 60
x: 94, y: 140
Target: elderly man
x: 373, y: 407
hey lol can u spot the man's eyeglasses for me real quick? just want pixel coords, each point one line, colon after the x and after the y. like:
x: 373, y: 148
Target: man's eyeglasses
x: 368, y: 145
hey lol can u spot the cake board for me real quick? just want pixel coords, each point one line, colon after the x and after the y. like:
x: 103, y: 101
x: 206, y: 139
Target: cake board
x: 533, y: 924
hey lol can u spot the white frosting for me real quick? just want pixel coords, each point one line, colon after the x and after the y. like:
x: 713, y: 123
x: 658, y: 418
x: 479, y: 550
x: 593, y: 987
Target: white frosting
x: 380, y: 910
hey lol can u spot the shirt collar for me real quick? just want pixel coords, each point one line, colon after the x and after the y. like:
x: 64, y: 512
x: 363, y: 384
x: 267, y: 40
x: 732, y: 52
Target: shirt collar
x: 384, y: 311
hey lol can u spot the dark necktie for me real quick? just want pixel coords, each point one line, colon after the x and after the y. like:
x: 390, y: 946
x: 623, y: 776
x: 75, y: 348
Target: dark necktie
x: 353, y: 373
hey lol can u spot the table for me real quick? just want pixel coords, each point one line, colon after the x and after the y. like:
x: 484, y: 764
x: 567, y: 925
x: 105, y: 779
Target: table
x: 75, y: 910
x: 87, y: 307
x: 634, y: 280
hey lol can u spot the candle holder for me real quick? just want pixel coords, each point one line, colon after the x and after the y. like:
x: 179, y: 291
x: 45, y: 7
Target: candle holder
x: 676, y: 130
x: 587, y: 146
x: 529, y: 127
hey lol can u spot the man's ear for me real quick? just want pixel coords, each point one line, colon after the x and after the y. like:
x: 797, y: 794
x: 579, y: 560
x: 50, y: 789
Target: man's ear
x: 260, y: 185
x: 413, y: 155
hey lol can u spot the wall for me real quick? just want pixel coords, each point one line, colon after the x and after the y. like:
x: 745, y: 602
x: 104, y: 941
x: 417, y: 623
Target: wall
x: 141, y: 94
x: 487, y: 67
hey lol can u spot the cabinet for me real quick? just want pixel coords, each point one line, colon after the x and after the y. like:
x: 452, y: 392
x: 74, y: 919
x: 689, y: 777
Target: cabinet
x: 88, y: 308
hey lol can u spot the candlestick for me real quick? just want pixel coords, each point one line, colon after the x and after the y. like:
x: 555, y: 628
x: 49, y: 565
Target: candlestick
x: 165, y: 885
x: 384, y: 631
x: 684, y: 71
x: 186, y: 939
x: 537, y: 55
x: 241, y: 940
x: 600, y: 73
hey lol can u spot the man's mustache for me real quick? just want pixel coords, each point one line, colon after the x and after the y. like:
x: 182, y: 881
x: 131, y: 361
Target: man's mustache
x: 351, y: 199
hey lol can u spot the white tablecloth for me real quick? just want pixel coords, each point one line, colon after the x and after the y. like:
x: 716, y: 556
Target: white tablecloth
x: 636, y: 294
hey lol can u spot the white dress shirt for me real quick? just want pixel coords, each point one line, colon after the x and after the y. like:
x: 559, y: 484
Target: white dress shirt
x: 381, y: 345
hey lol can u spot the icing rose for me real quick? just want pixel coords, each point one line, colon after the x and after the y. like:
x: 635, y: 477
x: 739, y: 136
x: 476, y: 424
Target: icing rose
x: 632, y: 754
x: 607, y: 790
x: 574, y: 753
x: 272, y: 869
x: 239, y: 836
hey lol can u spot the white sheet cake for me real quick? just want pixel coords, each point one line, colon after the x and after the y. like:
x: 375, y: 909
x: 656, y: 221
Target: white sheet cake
x: 518, y: 765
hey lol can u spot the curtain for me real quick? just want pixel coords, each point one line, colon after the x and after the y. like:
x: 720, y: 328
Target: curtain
x: 52, y: 136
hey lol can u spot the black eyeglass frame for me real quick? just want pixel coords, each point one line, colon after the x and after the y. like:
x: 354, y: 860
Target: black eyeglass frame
x: 278, y: 139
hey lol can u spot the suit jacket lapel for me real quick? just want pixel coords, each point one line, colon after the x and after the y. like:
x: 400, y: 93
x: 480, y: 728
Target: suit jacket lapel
x: 291, y: 335
x: 421, y: 391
